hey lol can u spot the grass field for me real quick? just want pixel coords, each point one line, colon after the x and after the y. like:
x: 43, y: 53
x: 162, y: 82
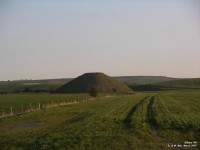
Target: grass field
x: 148, y: 120
x: 22, y: 102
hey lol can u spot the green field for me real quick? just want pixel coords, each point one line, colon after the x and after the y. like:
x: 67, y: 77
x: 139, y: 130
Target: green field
x: 23, y: 102
x: 148, y: 120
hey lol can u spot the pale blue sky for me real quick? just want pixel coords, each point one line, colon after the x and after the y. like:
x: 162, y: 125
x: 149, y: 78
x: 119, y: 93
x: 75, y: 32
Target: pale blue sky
x: 60, y: 39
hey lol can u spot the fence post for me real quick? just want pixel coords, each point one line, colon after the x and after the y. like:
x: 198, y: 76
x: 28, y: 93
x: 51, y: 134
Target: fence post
x: 22, y: 108
x: 39, y: 106
x: 3, y: 115
x: 11, y: 111
x: 30, y: 107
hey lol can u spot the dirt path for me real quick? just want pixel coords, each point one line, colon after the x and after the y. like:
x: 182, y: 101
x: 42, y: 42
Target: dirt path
x: 128, y: 119
x: 27, y: 125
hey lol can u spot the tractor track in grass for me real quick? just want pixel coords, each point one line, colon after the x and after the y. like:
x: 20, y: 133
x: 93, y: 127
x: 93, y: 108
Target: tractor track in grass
x: 128, y: 119
x: 152, y: 123
x: 150, y: 117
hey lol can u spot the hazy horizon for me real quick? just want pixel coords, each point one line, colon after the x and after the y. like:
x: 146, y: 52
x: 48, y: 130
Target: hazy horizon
x: 64, y: 39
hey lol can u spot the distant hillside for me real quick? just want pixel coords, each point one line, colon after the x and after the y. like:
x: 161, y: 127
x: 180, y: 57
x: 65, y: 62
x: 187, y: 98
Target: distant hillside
x: 34, y: 85
x: 52, y: 84
x: 42, y: 81
x: 143, y: 79
x: 168, y: 85
x: 191, y: 83
x: 100, y: 81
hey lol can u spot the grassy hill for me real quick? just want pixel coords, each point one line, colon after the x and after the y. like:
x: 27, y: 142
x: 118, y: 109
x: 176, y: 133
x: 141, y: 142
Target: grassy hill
x: 99, y: 81
x: 143, y: 79
x: 168, y: 85
x: 186, y: 83
x: 33, y: 85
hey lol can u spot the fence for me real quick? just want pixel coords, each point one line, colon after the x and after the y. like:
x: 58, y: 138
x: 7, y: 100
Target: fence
x: 52, y: 104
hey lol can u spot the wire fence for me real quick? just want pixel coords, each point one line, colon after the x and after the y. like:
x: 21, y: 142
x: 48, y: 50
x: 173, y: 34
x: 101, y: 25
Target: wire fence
x: 41, y: 106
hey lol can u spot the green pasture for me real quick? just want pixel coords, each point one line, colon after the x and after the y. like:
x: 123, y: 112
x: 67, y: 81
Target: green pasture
x: 147, y: 121
x: 25, y: 101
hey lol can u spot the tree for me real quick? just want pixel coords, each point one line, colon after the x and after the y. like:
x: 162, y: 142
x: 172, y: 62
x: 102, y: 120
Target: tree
x: 93, y: 91
x: 27, y: 90
x: 114, y: 90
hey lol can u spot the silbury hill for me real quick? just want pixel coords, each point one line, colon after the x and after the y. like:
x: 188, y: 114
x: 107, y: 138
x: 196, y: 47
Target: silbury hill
x: 100, y: 81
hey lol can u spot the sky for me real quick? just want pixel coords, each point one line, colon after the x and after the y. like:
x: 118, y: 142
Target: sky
x: 62, y: 39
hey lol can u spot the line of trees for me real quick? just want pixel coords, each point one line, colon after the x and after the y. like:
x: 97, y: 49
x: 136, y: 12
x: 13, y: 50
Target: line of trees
x: 28, y: 90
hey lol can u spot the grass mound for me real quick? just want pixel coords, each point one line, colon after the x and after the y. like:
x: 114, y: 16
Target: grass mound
x: 100, y: 81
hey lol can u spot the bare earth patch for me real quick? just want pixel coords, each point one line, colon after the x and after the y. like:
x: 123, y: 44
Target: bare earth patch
x: 27, y: 125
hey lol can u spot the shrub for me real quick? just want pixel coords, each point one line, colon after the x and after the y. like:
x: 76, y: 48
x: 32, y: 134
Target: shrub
x: 93, y: 91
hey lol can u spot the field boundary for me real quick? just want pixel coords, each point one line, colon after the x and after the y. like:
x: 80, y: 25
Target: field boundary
x: 52, y: 104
